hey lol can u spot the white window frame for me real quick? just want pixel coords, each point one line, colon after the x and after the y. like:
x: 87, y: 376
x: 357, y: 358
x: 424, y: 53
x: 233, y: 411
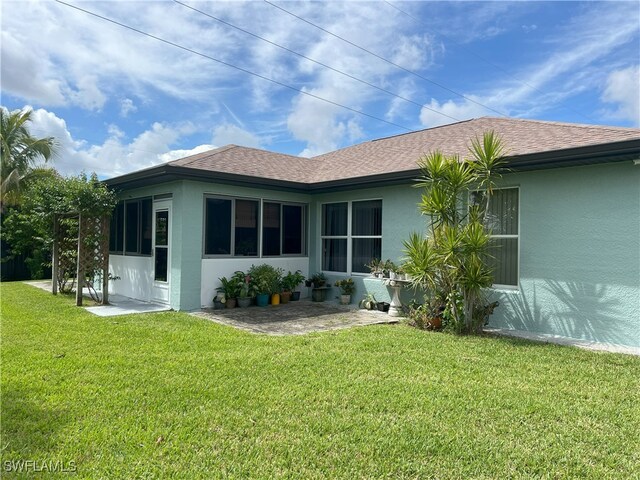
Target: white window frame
x: 499, y: 286
x: 349, y: 237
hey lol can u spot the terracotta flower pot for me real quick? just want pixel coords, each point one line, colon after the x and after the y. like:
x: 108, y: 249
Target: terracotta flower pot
x: 231, y: 303
x: 285, y: 297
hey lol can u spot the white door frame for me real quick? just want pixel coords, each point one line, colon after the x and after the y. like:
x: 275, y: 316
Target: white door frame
x: 160, y: 290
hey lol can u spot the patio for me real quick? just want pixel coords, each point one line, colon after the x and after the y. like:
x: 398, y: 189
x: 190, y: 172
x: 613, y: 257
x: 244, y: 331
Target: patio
x: 295, y: 318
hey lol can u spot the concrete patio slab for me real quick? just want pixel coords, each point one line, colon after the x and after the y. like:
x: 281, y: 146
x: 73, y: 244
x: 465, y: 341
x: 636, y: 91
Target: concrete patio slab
x: 295, y: 318
x: 118, y: 305
x: 560, y: 340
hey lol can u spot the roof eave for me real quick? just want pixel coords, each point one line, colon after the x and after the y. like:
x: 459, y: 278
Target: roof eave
x: 167, y: 173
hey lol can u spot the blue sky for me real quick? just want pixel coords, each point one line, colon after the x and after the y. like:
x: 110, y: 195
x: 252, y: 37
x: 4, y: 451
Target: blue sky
x: 118, y: 101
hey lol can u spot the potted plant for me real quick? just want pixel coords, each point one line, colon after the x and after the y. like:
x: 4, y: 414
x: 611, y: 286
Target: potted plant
x: 218, y: 301
x: 319, y: 285
x: 267, y: 283
x: 368, y: 302
x: 388, y: 267
x: 259, y: 279
x: 400, y: 273
x: 229, y: 289
x: 246, y: 288
x: 375, y: 266
x: 289, y: 284
x: 347, y: 288
x: 275, y: 286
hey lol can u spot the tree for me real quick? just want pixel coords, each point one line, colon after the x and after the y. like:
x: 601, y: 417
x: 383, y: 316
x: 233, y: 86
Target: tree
x: 20, y: 153
x: 450, y: 261
x: 30, y: 229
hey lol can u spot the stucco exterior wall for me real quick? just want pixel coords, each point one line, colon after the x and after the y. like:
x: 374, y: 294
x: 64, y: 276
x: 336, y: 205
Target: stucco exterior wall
x: 400, y: 217
x: 193, y: 279
x: 579, y: 249
x: 579, y: 254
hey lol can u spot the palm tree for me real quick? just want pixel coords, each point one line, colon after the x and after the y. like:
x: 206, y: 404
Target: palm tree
x: 20, y: 152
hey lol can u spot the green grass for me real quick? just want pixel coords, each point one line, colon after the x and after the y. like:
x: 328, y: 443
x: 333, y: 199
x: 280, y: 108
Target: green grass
x: 368, y: 402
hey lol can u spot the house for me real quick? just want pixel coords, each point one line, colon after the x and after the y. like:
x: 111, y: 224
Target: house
x: 570, y: 262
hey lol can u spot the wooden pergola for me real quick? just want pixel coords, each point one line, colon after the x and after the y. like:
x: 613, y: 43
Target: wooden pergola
x: 86, y: 247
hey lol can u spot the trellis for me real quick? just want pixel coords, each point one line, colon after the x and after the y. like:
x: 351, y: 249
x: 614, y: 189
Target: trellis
x: 87, y: 236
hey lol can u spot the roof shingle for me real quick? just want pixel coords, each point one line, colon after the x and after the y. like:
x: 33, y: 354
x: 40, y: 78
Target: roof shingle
x: 401, y: 153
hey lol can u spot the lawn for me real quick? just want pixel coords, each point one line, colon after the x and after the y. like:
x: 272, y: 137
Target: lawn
x: 168, y: 395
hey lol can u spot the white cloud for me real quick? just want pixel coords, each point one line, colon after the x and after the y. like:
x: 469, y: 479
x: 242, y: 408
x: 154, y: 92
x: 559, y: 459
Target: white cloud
x: 114, y: 156
x: 573, y: 66
x: 231, y: 134
x: 176, y: 154
x: 463, y: 110
x: 126, y: 107
x: 623, y: 89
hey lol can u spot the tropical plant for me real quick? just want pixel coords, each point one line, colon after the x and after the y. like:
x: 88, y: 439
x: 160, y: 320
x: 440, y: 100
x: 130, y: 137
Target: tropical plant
x: 450, y: 261
x: 20, y: 152
x: 375, y: 266
x: 388, y: 266
x: 229, y: 287
x: 318, y: 280
x: 246, y: 287
x: 266, y: 278
x: 346, y: 286
x: 291, y: 280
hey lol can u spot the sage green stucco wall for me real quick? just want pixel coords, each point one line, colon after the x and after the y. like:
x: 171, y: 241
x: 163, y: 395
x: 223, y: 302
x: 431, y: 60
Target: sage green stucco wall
x: 579, y: 247
x: 579, y: 250
x: 188, y: 214
x: 399, y: 218
x: 579, y: 254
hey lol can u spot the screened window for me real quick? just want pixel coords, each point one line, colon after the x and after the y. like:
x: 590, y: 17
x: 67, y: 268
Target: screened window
x: 217, y: 240
x: 502, y: 220
x: 283, y: 229
x: 116, y: 230
x: 335, y: 224
x: 131, y: 225
x: 236, y: 226
x: 351, y: 235
x: 366, y: 234
x: 231, y: 223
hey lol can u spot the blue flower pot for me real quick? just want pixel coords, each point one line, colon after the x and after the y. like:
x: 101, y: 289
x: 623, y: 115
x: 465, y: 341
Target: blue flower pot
x: 262, y: 300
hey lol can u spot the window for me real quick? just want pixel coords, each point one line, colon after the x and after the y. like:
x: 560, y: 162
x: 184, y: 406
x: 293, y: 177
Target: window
x: 246, y: 228
x: 351, y: 235
x: 217, y: 240
x: 130, y: 231
x: 503, y: 223
x: 283, y: 229
x: 233, y: 225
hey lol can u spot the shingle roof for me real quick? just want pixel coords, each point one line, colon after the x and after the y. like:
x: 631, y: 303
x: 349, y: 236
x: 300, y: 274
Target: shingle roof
x: 250, y: 162
x: 400, y: 153
x: 521, y: 137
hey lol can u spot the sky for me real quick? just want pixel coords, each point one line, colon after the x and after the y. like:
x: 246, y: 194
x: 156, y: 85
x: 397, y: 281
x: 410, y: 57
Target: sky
x: 304, y: 78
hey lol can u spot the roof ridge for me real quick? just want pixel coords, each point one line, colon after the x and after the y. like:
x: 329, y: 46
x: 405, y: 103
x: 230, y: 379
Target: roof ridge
x: 206, y: 154
x: 562, y: 124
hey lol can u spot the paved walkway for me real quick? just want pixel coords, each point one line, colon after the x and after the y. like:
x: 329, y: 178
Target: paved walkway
x: 295, y: 318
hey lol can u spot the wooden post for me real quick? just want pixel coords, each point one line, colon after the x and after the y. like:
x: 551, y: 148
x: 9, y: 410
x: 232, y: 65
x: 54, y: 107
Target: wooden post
x: 106, y: 224
x: 55, y: 255
x: 79, y: 269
